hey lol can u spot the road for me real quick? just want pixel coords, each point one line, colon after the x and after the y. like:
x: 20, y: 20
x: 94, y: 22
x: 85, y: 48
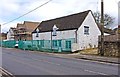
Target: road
x: 20, y: 62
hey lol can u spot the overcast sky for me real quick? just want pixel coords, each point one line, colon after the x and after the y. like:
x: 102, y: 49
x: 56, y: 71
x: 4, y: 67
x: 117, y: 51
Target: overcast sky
x: 11, y: 9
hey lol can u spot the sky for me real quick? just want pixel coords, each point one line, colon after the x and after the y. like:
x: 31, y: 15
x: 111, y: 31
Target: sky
x: 11, y: 9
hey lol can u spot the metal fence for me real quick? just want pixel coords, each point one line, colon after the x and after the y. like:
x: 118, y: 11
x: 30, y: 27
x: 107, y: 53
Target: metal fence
x: 63, y: 45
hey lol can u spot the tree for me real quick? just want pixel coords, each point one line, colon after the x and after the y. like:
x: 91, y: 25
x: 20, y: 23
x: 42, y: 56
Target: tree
x: 108, y: 20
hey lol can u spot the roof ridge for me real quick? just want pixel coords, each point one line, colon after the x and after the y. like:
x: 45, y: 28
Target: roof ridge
x: 67, y: 15
x: 31, y: 21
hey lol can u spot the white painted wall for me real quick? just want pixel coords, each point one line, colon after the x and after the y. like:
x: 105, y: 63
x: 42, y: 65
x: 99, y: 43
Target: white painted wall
x: 106, y: 34
x: 84, y: 41
x: 42, y: 36
x: 10, y: 35
x: 60, y: 35
x: 65, y: 34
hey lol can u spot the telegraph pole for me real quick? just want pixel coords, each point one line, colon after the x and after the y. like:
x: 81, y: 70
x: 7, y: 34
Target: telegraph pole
x: 102, y: 29
x: 0, y: 28
x: 0, y: 33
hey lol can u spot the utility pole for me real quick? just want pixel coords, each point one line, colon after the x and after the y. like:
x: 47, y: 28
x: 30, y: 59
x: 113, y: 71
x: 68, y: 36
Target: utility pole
x: 0, y: 33
x: 102, y: 29
x: 0, y: 29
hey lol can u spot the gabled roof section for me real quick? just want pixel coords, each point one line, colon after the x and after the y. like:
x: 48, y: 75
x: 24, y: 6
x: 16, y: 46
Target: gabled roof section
x: 30, y: 26
x: 64, y: 23
x: 20, y: 26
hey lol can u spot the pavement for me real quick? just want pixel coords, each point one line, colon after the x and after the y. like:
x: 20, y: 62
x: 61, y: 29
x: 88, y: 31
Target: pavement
x: 89, y: 57
x: 114, y: 60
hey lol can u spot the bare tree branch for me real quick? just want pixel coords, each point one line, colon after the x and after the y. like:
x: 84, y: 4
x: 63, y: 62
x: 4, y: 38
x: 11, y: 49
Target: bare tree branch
x: 108, y: 20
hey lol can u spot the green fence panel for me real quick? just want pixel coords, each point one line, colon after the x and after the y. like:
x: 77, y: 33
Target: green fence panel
x: 1, y: 42
x: 35, y: 45
x: 63, y: 45
x: 25, y: 45
x: 67, y: 44
x: 60, y: 45
x: 9, y: 43
x: 20, y: 44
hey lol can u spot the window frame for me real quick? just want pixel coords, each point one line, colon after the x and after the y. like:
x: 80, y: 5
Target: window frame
x: 68, y: 44
x: 86, y: 30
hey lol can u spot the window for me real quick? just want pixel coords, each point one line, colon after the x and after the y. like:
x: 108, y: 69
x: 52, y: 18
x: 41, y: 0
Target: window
x: 37, y: 35
x: 37, y: 30
x: 68, y: 44
x: 59, y: 43
x: 86, y: 30
x: 54, y: 43
x: 55, y: 30
x: 54, y: 33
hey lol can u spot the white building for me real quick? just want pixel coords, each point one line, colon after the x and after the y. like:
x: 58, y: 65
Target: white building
x: 10, y: 34
x: 76, y: 32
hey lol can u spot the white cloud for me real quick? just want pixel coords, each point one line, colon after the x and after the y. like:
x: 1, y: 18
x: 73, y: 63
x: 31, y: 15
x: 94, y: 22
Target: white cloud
x: 10, y: 9
x: 60, y: 8
x: 7, y: 7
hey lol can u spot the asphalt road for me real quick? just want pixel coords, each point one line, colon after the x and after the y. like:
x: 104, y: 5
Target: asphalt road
x: 20, y: 62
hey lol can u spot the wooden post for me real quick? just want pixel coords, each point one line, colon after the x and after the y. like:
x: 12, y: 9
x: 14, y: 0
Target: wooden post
x: 102, y: 29
x: 51, y: 40
x: 76, y: 36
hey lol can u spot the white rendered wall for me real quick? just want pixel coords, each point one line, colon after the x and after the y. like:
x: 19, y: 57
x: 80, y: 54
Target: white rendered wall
x: 60, y: 35
x: 85, y: 41
x: 10, y: 35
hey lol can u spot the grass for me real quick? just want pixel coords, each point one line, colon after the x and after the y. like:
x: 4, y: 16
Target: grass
x: 91, y: 51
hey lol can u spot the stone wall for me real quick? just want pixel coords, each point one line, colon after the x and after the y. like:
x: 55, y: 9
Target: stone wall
x: 111, y: 46
x: 111, y: 49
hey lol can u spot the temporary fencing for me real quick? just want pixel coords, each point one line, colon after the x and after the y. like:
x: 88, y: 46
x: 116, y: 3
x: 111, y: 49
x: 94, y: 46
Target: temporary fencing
x: 61, y: 45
